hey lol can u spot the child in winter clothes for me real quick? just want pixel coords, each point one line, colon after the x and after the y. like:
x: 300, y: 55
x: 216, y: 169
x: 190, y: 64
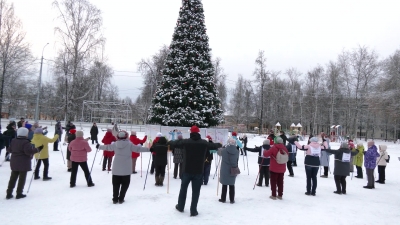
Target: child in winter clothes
x: 22, y: 151
x: 276, y: 170
x: 312, y: 163
x: 382, y: 162
x: 38, y: 140
x: 342, y: 166
x: 122, y: 166
x: 79, y: 149
x: 263, y: 162
x: 370, y: 157
x: 136, y: 141
x: 108, y: 139
x: 359, y: 159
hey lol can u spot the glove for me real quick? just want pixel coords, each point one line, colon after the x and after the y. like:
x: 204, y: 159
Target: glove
x: 40, y: 148
x: 97, y: 146
x: 213, y: 151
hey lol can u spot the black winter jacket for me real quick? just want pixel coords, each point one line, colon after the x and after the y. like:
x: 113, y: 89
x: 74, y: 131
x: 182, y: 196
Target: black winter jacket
x: 262, y: 161
x: 194, y: 152
x: 161, y: 150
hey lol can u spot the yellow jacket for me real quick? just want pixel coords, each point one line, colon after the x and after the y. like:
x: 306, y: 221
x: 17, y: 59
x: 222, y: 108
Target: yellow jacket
x: 39, y: 140
x: 359, y: 158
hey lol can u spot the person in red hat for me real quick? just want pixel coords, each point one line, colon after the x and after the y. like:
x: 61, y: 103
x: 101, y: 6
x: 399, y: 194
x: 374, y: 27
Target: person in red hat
x: 194, y: 155
x: 136, y: 141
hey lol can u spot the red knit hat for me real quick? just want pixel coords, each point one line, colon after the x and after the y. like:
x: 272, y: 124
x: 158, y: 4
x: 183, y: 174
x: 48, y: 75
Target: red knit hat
x: 72, y: 131
x: 234, y: 133
x: 209, y: 137
x: 194, y: 129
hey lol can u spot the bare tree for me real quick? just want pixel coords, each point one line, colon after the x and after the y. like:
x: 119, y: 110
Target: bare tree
x: 219, y: 79
x: 81, y: 37
x: 262, y: 76
x: 15, y: 54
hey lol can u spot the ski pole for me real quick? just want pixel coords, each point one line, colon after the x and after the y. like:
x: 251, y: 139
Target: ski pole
x: 216, y: 169
x: 90, y: 174
x: 62, y: 154
x: 259, y: 170
x: 145, y: 180
x: 141, y: 164
x: 168, y: 166
x: 219, y: 173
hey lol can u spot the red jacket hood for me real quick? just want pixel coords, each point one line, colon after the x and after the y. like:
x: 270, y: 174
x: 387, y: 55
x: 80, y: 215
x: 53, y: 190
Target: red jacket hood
x: 109, y: 138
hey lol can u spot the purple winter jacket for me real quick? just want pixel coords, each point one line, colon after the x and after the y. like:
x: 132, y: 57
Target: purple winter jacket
x: 22, y: 152
x: 370, y: 157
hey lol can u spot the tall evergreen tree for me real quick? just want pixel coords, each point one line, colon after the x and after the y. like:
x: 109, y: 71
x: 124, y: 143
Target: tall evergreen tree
x: 187, y: 94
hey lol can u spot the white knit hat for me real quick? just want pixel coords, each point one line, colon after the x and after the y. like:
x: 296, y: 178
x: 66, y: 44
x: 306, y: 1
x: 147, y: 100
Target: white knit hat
x: 159, y: 134
x: 22, y: 132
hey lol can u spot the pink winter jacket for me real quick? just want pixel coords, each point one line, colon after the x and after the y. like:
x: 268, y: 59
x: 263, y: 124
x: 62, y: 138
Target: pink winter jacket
x: 79, y: 149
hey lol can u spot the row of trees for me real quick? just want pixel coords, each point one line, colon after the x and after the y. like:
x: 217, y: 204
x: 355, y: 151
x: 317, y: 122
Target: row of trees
x: 357, y: 91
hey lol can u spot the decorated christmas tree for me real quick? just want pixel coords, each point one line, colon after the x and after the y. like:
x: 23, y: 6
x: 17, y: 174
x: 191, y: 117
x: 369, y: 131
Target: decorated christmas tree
x: 187, y: 94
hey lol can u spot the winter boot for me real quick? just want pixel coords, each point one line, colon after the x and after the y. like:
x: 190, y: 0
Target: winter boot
x: 161, y: 181
x: 20, y: 195
x: 157, y: 181
x: 9, y: 196
x: 37, y: 175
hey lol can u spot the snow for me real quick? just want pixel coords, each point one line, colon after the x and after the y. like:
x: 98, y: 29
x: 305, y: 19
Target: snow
x: 54, y: 202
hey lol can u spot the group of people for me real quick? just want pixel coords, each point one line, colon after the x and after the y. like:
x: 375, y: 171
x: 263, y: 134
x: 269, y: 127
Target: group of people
x: 192, y: 159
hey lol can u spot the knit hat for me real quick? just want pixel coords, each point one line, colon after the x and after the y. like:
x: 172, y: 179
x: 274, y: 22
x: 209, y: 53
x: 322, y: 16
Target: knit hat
x: 234, y: 133
x: 194, y: 129
x: 209, y: 137
x: 28, y: 126
x: 279, y: 140
x: 314, y: 139
x: 109, y: 130
x: 133, y: 132
x: 72, y: 131
x: 79, y: 133
x: 23, y: 132
x: 231, y: 141
x: 266, y: 142
x: 122, y: 135
x: 159, y: 134
x: 38, y: 131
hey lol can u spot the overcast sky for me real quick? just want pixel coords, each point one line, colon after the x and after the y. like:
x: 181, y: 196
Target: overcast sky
x: 292, y: 33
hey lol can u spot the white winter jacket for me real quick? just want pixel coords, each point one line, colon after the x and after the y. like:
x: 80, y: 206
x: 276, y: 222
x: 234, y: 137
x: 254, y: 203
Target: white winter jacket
x: 381, y: 160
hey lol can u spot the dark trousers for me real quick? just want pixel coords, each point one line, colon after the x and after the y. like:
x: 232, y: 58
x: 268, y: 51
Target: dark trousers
x: 160, y: 171
x: 206, y: 172
x: 177, y: 166
x: 243, y: 150
x: 359, y: 171
x: 21, y: 177
x: 295, y: 161
x: 290, y: 167
x: 231, y: 192
x: 55, y: 145
x: 45, y: 169
x: 107, y: 161
x: 85, y: 169
x: 381, y: 171
x: 94, y: 139
x: 276, y: 181
x: 340, y: 182
x: 264, y: 174
x: 152, y: 164
x: 196, y: 180
x: 370, y: 177
x: 120, y: 186
x: 326, y: 170
x: 311, y: 173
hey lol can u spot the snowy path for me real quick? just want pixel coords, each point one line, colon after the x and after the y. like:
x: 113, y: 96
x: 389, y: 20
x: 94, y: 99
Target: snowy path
x: 53, y: 202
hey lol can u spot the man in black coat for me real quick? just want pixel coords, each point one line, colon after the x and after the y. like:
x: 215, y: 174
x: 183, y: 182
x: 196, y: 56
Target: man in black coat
x: 94, y: 131
x: 194, y: 154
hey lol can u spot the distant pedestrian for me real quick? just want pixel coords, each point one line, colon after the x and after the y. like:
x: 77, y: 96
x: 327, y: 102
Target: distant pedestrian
x: 94, y: 131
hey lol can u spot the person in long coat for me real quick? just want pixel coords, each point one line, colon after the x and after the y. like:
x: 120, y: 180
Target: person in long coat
x: 325, y: 157
x: 342, y: 166
x: 359, y: 160
x: 20, y: 163
x: 94, y: 131
x: 230, y: 156
x: 370, y: 158
x: 160, y: 162
x: 178, y: 159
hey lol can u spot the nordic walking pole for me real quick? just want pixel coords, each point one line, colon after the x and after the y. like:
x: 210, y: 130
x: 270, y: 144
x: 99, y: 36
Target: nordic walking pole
x: 145, y: 180
x: 168, y: 166
x: 216, y: 169
x: 259, y: 170
x: 219, y: 173
x: 93, y: 163
x: 33, y: 173
x: 141, y: 164
x: 248, y: 171
x: 62, y: 154
x: 244, y: 165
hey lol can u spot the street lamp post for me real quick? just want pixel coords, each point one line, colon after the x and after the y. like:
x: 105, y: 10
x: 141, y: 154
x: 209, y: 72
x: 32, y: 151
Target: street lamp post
x: 39, y: 87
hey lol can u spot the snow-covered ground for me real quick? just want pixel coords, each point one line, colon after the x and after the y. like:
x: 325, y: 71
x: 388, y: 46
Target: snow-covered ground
x: 54, y: 202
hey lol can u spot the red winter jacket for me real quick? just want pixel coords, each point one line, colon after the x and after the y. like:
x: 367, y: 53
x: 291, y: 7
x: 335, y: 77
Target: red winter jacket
x: 272, y: 152
x: 107, y: 140
x: 136, y: 141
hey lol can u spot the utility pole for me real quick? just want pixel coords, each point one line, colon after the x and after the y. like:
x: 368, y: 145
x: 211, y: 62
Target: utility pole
x: 39, y: 87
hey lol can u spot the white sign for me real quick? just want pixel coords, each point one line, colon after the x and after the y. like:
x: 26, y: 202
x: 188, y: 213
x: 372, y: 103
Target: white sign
x: 346, y: 157
x: 315, y: 151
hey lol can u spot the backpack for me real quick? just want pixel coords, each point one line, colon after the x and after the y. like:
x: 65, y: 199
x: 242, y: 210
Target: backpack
x: 281, y: 158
